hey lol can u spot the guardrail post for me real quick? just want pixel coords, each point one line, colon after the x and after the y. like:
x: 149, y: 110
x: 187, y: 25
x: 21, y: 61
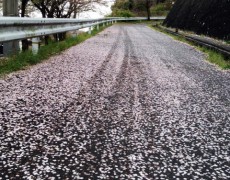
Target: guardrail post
x: 1, y: 49
x: 90, y: 30
x: 98, y: 27
x: 74, y: 34
x: 35, y: 45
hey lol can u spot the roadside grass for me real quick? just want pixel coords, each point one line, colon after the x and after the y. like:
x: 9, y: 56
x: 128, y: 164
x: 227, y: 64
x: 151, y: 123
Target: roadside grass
x: 212, y: 56
x: 23, y: 60
x: 216, y: 58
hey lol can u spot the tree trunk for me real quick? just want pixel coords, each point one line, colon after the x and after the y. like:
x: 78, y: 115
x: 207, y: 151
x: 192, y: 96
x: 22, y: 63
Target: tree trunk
x: 25, y: 42
x: 148, y: 9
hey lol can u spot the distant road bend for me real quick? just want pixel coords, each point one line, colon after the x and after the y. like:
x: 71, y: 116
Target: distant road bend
x: 130, y: 103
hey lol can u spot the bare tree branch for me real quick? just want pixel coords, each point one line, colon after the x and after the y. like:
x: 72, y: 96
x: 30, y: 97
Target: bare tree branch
x: 66, y: 8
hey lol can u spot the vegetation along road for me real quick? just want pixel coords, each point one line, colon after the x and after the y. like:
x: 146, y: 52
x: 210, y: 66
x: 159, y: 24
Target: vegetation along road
x: 130, y: 103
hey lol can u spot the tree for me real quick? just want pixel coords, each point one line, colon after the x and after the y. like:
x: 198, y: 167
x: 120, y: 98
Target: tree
x: 65, y: 8
x: 123, y: 8
x: 148, y: 5
x: 162, y: 7
x: 123, y: 4
x: 79, y: 6
x: 23, y: 7
x: 138, y: 7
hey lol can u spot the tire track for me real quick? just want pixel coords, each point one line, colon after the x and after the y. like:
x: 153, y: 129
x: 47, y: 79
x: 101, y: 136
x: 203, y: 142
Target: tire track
x: 123, y: 123
x: 172, y: 138
x: 130, y: 97
x: 94, y: 112
x: 111, y: 53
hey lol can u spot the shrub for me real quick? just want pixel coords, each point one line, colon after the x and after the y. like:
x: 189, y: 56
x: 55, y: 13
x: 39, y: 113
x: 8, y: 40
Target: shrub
x: 122, y: 13
x: 160, y: 9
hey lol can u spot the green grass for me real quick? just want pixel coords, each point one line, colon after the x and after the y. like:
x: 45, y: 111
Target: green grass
x: 212, y: 56
x: 23, y: 60
x: 216, y: 58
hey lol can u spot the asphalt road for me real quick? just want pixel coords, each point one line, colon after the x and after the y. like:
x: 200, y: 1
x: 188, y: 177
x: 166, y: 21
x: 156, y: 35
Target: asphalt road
x: 130, y: 103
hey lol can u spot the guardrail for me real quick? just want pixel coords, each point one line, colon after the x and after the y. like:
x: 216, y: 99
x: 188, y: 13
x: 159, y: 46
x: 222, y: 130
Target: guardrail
x: 142, y: 18
x: 16, y: 28
x: 21, y: 28
x: 202, y: 41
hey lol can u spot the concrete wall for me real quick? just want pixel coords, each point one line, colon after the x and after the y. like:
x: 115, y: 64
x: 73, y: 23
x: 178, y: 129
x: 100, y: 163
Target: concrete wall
x: 208, y: 17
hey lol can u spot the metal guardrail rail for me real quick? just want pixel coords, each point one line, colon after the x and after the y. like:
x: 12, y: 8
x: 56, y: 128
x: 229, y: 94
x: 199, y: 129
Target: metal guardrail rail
x: 12, y: 28
x: 142, y: 18
x: 224, y: 49
x: 221, y: 48
x: 15, y: 28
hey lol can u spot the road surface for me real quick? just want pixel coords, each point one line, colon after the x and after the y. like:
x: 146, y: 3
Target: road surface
x: 130, y: 103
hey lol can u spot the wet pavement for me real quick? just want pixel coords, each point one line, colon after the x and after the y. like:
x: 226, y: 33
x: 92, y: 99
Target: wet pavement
x: 130, y: 103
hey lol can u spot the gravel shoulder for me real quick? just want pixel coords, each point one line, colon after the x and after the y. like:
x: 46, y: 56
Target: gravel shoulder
x: 129, y: 103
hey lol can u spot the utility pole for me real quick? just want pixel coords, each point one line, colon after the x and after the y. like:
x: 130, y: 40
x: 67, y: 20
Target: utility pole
x: 10, y: 9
